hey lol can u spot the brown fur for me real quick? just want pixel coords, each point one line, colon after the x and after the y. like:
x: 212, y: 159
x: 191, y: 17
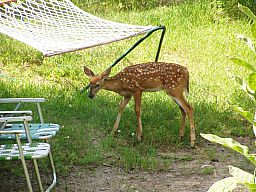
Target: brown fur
x: 154, y: 76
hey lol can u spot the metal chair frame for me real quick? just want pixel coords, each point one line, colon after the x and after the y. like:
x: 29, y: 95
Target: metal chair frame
x: 24, y: 131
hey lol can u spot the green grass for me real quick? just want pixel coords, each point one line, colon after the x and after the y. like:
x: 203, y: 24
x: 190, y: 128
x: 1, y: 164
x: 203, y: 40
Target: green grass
x: 194, y: 38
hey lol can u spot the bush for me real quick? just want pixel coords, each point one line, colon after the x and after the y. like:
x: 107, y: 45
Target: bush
x: 232, y: 10
x: 249, y: 86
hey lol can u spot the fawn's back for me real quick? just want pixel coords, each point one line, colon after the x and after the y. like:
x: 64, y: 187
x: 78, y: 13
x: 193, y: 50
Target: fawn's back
x: 153, y: 77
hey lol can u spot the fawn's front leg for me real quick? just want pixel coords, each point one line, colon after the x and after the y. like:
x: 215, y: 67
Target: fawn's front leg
x: 122, y: 105
x: 137, y: 99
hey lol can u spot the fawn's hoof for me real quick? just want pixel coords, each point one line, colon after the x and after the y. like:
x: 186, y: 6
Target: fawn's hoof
x: 181, y: 138
x: 113, y: 133
x: 140, y: 138
x: 192, y: 143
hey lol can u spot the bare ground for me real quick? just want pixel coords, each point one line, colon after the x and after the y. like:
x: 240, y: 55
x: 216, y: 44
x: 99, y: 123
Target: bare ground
x: 191, y: 170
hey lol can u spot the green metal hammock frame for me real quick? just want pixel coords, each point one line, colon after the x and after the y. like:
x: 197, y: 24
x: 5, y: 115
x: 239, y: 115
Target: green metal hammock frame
x: 162, y: 28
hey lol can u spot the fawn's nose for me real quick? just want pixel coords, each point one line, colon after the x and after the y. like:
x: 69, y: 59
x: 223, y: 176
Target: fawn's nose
x: 91, y: 96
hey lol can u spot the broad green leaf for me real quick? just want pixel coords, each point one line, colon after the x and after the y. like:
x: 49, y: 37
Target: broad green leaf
x: 241, y: 82
x: 252, y: 157
x: 242, y: 176
x: 224, y: 185
x: 243, y: 63
x: 254, y: 126
x: 232, y: 144
x: 248, y: 41
x: 252, y: 81
x: 248, y: 115
x: 253, y: 29
x: 247, y: 11
x: 245, y: 87
x: 227, y: 142
x: 254, y: 116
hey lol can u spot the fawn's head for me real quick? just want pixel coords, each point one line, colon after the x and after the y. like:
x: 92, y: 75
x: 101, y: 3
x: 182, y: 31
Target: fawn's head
x: 96, y: 81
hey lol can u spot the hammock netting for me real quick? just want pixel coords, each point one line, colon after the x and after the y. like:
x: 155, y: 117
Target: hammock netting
x: 58, y: 26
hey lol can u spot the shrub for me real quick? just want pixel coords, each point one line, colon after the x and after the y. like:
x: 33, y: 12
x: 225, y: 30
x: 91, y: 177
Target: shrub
x: 239, y: 176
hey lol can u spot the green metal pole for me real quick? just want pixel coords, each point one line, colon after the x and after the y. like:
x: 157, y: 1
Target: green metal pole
x: 139, y: 41
x: 160, y: 42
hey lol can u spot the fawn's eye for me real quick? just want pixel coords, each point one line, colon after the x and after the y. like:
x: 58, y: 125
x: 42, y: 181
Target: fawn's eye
x: 97, y: 86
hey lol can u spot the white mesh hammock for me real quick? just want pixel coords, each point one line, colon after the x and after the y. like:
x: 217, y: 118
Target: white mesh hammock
x: 58, y: 26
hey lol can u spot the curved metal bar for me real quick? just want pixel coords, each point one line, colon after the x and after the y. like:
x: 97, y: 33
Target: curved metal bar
x: 163, y: 28
x: 160, y: 42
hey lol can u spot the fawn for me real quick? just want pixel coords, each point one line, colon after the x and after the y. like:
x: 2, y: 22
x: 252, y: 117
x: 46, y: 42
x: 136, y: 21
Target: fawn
x: 154, y: 76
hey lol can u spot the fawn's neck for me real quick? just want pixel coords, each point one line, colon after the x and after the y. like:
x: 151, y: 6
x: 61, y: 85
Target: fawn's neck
x: 112, y: 84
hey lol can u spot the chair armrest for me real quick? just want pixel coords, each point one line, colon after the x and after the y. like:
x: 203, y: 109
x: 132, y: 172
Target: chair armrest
x: 15, y: 119
x: 23, y: 100
x: 19, y: 101
x: 15, y: 112
x: 11, y: 132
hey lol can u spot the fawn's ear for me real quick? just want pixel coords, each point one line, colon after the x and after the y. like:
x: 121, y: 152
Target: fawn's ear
x: 106, y: 73
x: 88, y: 72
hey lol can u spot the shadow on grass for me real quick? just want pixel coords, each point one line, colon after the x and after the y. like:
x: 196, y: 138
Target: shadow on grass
x: 85, y: 137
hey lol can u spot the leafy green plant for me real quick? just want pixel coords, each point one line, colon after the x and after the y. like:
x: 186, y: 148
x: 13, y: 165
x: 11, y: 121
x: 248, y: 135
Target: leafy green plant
x: 230, y: 7
x: 239, y: 176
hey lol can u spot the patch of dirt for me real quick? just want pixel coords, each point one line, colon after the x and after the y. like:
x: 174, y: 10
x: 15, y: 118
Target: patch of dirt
x: 189, y: 170
x: 115, y: 179
x: 184, y: 174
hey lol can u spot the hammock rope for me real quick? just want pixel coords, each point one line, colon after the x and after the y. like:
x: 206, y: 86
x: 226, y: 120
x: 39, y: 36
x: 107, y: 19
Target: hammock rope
x: 57, y: 26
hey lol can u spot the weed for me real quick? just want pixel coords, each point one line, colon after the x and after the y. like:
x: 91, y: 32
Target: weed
x: 208, y: 170
x: 248, y: 85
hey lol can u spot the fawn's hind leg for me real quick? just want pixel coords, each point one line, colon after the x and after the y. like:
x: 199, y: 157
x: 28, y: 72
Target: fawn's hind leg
x: 137, y: 99
x: 188, y: 110
x: 182, y: 123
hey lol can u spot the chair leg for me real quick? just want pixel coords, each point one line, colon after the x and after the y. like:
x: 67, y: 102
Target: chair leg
x: 38, y: 175
x: 54, y: 179
x: 34, y: 160
x: 26, y: 174
x: 22, y: 158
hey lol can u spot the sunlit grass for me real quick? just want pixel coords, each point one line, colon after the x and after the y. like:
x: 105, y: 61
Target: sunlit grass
x: 193, y: 39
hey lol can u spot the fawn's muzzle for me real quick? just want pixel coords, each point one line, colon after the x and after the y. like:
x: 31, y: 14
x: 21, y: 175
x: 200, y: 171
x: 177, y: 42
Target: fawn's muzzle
x: 91, y: 96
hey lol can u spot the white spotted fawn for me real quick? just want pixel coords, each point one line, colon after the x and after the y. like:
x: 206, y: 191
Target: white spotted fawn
x: 154, y: 76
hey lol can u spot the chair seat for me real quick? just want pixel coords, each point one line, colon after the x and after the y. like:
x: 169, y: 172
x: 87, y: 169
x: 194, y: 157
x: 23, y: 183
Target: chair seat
x: 17, y: 125
x: 30, y: 151
x: 37, y: 131
x: 52, y: 126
